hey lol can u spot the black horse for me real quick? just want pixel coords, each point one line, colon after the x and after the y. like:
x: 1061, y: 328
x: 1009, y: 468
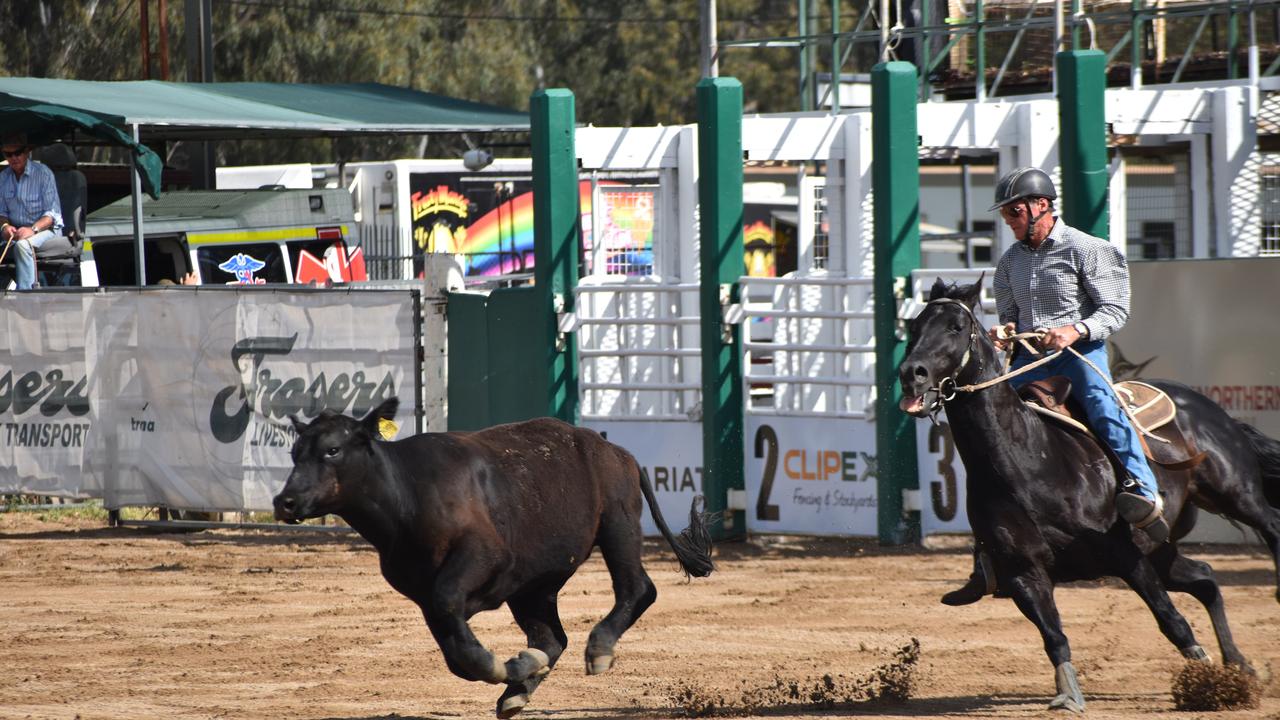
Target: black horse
x: 1041, y: 497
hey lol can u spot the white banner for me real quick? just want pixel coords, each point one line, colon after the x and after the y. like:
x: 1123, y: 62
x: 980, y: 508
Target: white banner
x: 186, y: 395
x: 811, y: 475
x: 670, y: 455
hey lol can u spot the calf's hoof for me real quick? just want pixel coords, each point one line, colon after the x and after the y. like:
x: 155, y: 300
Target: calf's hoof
x: 1069, y: 696
x: 531, y: 662
x: 597, y: 664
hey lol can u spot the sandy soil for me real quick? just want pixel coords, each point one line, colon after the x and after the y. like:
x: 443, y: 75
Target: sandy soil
x: 129, y: 623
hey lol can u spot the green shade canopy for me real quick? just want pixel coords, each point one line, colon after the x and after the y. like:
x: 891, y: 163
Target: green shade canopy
x: 44, y: 123
x: 50, y: 109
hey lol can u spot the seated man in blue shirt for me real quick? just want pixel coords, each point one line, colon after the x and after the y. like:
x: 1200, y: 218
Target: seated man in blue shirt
x: 1075, y: 287
x: 30, y: 207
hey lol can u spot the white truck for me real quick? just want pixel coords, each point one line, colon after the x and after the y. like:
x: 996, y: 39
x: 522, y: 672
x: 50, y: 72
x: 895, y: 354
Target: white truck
x: 224, y: 237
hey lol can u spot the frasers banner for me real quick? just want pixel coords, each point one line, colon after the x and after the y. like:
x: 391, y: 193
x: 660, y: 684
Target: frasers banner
x: 670, y: 455
x: 182, y: 397
x: 1209, y: 324
x: 46, y: 399
x: 812, y: 476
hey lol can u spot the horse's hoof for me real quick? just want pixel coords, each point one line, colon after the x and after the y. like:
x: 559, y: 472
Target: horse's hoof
x: 599, y: 664
x: 1068, y: 685
x: 511, y: 705
x: 1195, y: 652
x: 1066, y: 702
x: 530, y: 663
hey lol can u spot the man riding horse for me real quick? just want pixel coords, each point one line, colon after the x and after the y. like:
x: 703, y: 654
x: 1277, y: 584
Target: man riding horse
x: 1074, y: 288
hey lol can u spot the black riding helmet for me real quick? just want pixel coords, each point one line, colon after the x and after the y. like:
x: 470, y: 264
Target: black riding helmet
x: 1022, y: 185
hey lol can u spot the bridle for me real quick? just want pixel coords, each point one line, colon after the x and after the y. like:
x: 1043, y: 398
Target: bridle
x: 947, y: 388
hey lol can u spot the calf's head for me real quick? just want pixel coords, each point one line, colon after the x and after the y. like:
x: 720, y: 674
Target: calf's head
x: 332, y: 452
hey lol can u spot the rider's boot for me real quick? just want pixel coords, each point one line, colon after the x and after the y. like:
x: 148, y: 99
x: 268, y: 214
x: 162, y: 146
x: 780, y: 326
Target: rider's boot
x: 1142, y: 512
x: 981, y: 582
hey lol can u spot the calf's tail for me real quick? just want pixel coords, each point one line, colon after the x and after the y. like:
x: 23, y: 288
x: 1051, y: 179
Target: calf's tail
x: 1268, y: 451
x: 693, y: 546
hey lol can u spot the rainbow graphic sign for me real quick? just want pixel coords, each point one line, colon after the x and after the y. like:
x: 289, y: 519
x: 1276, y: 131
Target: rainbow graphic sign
x: 501, y: 241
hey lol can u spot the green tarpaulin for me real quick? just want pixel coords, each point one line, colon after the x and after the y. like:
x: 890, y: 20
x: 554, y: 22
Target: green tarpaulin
x: 48, y: 109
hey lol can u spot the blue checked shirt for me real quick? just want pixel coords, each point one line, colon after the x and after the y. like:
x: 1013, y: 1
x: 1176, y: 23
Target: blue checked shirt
x: 1072, y: 277
x: 26, y: 199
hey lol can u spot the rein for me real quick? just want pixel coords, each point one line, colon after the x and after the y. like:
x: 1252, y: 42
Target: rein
x: 947, y: 389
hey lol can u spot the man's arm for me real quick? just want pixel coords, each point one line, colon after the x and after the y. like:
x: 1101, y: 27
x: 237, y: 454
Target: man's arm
x: 51, y: 218
x: 1105, y: 278
x: 1006, y: 306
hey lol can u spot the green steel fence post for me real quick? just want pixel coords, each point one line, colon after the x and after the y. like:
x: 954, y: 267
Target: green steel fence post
x: 722, y: 263
x: 1083, y: 140
x: 1233, y: 41
x: 895, y: 178
x: 555, y: 240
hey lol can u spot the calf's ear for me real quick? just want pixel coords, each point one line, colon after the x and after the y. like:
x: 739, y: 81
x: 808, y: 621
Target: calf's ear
x: 385, y: 411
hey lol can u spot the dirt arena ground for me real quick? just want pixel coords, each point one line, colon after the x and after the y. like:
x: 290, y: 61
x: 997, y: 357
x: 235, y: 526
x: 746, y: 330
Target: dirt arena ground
x: 137, y: 624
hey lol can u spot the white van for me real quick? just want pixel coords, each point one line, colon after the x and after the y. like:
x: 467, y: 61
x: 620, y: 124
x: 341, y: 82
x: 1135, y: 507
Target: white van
x: 223, y: 236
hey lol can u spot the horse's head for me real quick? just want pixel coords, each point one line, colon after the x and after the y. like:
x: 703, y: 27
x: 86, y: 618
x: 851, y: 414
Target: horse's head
x: 942, y: 341
x: 331, y: 457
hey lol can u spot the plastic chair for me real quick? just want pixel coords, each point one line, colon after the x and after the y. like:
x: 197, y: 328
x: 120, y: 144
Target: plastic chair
x: 73, y: 195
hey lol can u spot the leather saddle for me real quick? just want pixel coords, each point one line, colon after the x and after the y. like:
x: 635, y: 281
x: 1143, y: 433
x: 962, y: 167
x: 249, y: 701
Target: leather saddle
x: 1150, y: 407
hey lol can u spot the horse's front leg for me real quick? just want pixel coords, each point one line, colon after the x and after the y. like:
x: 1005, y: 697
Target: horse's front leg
x: 1033, y: 593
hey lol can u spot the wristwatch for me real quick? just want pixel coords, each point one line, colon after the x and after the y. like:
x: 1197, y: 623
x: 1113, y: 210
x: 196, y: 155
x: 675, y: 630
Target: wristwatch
x: 1082, y: 329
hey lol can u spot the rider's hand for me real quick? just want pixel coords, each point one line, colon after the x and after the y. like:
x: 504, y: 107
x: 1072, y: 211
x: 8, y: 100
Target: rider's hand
x: 999, y: 332
x: 1060, y: 337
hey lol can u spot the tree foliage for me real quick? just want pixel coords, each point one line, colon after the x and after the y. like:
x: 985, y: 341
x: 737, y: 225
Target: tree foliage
x: 628, y: 62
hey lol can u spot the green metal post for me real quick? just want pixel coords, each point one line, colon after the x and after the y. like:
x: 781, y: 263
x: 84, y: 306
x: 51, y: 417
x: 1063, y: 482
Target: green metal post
x: 1233, y: 41
x: 924, y: 53
x: 980, y: 52
x: 721, y: 254
x: 835, y: 56
x: 1075, y: 26
x: 895, y: 178
x: 1083, y: 140
x: 1135, y: 44
x: 555, y: 240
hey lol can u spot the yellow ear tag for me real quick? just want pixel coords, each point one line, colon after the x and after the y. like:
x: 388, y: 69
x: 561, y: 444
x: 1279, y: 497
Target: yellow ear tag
x: 387, y: 428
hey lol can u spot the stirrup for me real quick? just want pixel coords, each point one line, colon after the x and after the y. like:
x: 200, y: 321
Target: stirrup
x: 1144, y: 514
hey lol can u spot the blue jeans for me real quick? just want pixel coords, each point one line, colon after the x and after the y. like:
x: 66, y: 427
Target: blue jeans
x: 1106, y: 418
x: 26, y: 257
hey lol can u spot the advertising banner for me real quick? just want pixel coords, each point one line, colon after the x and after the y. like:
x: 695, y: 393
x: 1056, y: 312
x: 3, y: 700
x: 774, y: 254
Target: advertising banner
x: 47, y: 397
x: 670, y: 455
x: 187, y: 397
x: 811, y: 475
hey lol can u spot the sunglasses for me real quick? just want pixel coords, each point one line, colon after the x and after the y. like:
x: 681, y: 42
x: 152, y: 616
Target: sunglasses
x: 13, y: 153
x: 1011, y: 211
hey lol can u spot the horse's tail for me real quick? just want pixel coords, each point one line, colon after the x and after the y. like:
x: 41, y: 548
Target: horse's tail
x: 693, y: 546
x: 1268, y: 451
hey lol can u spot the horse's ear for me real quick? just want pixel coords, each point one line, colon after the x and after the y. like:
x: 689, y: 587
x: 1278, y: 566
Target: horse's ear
x: 385, y: 411
x: 938, y: 290
x: 972, y: 295
x: 297, y: 424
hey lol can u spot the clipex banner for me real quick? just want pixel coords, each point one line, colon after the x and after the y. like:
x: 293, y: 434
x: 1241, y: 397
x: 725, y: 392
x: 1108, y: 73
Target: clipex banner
x: 183, y: 398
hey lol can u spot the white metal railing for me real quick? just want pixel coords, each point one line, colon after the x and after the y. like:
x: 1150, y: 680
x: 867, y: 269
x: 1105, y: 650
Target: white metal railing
x: 810, y: 348
x: 638, y: 348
